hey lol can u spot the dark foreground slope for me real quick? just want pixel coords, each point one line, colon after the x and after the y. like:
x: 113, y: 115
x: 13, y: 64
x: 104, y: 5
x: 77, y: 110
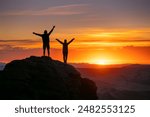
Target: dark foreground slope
x: 44, y: 78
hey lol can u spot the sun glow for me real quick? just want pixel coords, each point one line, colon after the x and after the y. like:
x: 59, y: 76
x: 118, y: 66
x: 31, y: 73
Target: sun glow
x: 103, y: 62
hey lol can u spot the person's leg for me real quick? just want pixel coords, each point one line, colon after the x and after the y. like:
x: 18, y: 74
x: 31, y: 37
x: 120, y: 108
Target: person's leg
x: 65, y: 59
x: 44, y: 47
x: 48, y: 50
x: 66, y: 56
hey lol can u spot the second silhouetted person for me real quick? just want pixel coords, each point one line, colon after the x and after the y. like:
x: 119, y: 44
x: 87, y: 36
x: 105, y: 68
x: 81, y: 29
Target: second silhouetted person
x: 45, y: 39
x: 65, y: 48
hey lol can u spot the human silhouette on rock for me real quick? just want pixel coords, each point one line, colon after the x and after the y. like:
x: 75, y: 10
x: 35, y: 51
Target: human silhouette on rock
x: 65, y: 48
x: 45, y: 39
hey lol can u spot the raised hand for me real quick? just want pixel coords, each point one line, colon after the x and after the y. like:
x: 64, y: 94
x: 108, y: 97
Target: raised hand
x: 51, y: 30
x: 71, y: 40
x: 59, y: 41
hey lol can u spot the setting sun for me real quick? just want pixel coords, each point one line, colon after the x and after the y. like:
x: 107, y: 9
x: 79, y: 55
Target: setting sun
x: 103, y: 62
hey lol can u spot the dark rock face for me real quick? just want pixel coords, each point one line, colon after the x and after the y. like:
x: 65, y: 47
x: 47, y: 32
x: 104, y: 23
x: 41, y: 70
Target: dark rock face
x: 37, y: 78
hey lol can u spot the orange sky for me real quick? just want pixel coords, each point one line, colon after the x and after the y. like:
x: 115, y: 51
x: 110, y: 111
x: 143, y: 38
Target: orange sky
x: 100, y: 46
x: 105, y: 31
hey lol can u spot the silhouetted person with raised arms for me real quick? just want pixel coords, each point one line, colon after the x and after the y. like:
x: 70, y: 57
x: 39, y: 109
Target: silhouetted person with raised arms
x: 65, y: 48
x: 45, y: 39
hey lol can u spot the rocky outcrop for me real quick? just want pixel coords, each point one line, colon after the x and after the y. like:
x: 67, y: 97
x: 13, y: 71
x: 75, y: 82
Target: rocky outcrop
x: 44, y: 78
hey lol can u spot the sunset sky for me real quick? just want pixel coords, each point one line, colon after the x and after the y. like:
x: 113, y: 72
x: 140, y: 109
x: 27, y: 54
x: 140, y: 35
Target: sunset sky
x: 105, y: 31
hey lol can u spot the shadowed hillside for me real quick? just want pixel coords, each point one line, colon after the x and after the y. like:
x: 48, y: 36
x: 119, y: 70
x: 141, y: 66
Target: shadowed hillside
x: 44, y: 78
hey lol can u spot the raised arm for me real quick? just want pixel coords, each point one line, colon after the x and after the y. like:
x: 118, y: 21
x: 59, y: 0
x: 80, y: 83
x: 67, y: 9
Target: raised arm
x: 59, y: 41
x: 37, y: 34
x: 51, y: 30
x: 71, y: 41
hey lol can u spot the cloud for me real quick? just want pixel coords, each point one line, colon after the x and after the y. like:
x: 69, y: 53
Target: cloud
x: 20, y: 44
x: 23, y: 41
x: 72, y: 9
x: 114, y: 40
x: 80, y: 44
x: 8, y: 44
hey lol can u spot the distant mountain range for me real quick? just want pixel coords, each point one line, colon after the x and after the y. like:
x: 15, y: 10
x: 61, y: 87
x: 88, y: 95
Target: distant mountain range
x: 2, y: 65
x: 127, y: 82
x: 87, y: 65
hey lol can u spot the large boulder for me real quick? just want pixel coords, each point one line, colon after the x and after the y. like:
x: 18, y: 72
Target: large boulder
x: 43, y: 78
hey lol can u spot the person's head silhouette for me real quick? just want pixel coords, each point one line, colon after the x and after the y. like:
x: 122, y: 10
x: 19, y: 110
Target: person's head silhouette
x: 65, y: 41
x: 45, y: 31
